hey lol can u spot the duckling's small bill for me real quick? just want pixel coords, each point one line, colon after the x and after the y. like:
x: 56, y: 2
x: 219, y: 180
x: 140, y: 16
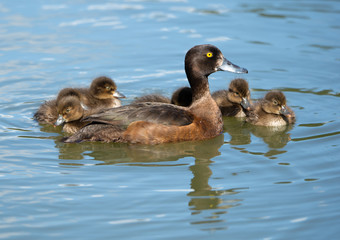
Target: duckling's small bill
x: 59, y: 121
x: 245, y: 103
x: 117, y: 94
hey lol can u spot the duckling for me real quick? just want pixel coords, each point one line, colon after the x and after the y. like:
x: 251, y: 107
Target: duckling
x: 271, y: 111
x: 155, y: 123
x: 235, y: 101
x: 101, y: 94
x: 182, y: 97
x: 47, y: 112
x: 70, y: 113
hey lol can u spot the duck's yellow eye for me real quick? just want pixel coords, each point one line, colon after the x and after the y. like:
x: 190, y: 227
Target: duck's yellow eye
x: 209, y: 54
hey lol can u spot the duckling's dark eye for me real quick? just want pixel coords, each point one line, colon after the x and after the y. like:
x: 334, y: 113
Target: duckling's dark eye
x: 236, y: 93
x: 108, y: 88
x: 209, y: 54
x: 68, y: 110
x: 275, y: 102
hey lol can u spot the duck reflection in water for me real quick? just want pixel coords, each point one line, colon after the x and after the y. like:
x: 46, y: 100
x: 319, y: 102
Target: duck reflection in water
x: 115, y: 153
x: 202, y: 195
x: 272, y: 128
x: 205, y: 197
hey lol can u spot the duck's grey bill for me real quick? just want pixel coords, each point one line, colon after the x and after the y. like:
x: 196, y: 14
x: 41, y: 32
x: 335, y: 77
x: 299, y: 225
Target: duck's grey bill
x: 59, y: 121
x: 118, y: 95
x: 230, y: 67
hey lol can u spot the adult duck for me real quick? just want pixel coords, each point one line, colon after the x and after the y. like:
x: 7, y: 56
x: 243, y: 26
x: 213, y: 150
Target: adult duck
x: 155, y: 123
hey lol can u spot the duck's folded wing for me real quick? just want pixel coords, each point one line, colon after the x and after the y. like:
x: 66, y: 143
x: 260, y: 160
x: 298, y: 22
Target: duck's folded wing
x: 161, y: 113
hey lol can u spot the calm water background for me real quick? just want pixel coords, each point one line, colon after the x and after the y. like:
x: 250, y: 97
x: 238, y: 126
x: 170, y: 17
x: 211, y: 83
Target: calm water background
x: 249, y: 183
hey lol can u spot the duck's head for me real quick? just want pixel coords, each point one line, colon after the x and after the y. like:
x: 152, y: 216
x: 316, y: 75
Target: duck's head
x: 206, y: 59
x: 104, y: 88
x: 239, y: 92
x: 69, y: 109
x: 275, y: 103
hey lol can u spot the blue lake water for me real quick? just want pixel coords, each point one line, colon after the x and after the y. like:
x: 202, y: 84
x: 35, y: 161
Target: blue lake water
x: 248, y: 183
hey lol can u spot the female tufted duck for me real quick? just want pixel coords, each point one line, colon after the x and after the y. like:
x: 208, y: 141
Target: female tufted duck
x: 271, y: 111
x: 155, y: 123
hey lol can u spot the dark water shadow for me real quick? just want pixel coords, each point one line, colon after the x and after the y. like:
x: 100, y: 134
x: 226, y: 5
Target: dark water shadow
x: 241, y: 134
x: 204, y: 199
x: 134, y: 154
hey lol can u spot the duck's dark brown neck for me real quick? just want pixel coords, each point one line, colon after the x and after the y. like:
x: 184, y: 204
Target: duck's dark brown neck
x: 198, y: 82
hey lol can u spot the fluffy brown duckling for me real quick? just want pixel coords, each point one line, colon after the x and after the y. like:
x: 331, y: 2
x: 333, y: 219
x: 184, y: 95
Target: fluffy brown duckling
x: 271, y: 111
x: 47, y: 112
x: 155, y: 123
x: 101, y: 94
x: 235, y: 101
x: 182, y: 97
x: 70, y: 113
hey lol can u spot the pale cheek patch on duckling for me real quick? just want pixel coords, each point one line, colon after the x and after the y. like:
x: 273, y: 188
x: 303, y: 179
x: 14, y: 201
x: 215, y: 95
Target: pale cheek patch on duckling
x: 116, y: 103
x: 240, y: 114
x: 86, y: 108
x: 279, y: 121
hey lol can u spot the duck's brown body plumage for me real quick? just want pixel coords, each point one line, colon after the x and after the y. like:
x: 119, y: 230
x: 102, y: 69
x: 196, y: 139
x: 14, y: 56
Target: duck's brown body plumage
x: 154, y: 123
